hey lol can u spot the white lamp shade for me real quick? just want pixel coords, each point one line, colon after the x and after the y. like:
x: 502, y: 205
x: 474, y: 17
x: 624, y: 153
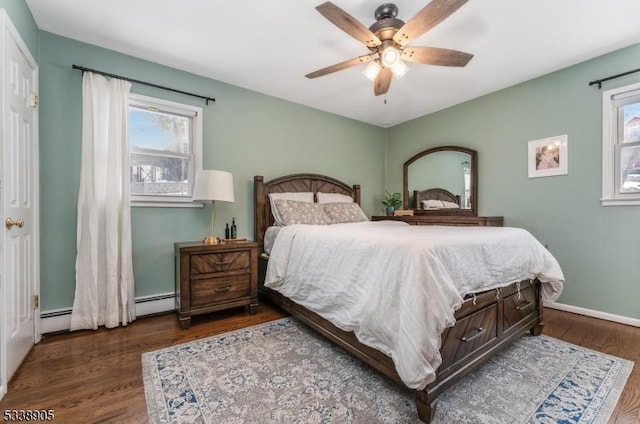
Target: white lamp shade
x: 213, y: 185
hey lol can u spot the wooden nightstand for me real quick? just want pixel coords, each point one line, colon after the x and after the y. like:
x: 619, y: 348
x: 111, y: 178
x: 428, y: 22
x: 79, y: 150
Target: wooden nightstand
x: 215, y: 277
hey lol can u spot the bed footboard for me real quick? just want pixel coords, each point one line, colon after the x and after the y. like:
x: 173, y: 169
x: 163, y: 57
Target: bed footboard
x: 485, y: 324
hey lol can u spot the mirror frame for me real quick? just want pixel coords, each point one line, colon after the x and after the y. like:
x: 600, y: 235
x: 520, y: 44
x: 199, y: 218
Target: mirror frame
x: 474, y: 182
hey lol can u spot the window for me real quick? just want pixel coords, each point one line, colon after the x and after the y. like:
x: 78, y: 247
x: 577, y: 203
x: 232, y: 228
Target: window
x: 165, y: 151
x: 621, y: 146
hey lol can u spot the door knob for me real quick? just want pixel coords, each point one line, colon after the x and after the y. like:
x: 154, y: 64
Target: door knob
x: 9, y: 223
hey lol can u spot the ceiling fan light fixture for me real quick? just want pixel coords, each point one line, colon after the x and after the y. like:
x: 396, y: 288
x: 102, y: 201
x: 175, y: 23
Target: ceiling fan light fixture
x: 400, y: 69
x: 390, y: 57
x: 372, y: 70
x: 388, y: 41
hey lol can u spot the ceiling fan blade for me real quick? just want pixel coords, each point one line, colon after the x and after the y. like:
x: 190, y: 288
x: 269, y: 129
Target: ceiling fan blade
x: 430, y: 15
x: 348, y: 24
x: 382, y: 82
x: 340, y: 66
x: 436, y: 56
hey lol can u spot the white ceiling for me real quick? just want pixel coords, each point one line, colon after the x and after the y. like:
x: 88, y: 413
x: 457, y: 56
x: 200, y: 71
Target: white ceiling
x: 269, y: 45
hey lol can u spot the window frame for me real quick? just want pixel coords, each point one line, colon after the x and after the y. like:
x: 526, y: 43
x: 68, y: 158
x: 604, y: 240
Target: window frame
x: 611, y: 127
x: 196, y: 144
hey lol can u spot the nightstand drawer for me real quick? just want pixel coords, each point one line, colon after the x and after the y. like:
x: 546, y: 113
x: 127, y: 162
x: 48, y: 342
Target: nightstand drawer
x: 208, y: 263
x: 212, y: 290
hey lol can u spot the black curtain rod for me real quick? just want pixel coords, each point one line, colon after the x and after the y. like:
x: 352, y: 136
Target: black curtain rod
x: 600, y: 81
x: 106, y: 74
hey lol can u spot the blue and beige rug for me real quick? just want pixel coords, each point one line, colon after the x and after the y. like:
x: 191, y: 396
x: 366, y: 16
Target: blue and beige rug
x: 282, y: 372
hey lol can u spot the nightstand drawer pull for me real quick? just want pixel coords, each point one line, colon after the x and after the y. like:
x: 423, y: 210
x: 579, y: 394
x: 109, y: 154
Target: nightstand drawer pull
x: 478, y: 331
x: 523, y: 306
x: 222, y: 289
x: 223, y: 263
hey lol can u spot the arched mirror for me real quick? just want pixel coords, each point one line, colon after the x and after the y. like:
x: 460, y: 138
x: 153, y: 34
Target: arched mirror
x: 442, y: 180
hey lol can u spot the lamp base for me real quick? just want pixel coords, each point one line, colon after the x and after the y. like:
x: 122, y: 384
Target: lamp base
x: 210, y: 240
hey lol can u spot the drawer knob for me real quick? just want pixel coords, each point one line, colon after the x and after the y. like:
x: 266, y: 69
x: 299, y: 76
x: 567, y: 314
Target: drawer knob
x: 523, y: 306
x: 223, y: 263
x: 222, y: 289
x: 478, y: 331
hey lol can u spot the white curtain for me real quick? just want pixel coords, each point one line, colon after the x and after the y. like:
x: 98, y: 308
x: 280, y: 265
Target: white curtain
x: 104, y: 271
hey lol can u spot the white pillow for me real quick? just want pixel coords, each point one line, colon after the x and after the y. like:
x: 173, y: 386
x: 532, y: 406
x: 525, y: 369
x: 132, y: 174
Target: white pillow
x: 333, y: 198
x: 450, y: 205
x: 303, y: 196
x: 439, y: 204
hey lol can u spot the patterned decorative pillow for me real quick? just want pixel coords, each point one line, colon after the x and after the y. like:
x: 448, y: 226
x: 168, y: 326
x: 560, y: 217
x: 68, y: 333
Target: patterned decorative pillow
x: 333, y: 198
x: 293, y: 212
x: 344, y: 212
x: 303, y: 196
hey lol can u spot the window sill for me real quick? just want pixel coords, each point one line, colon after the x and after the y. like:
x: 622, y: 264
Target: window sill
x: 621, y: 202
x: 137, y: 204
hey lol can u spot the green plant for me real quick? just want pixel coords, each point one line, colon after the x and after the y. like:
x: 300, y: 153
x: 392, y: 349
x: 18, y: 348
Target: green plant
x: 391, y: 200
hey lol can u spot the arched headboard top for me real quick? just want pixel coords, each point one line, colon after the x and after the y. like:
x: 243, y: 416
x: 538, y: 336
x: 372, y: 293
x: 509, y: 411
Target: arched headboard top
x: 287, y: 184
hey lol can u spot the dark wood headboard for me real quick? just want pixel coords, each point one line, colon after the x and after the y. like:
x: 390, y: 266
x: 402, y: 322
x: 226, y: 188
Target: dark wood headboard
x: 287, y: 184
x: 434, y: 194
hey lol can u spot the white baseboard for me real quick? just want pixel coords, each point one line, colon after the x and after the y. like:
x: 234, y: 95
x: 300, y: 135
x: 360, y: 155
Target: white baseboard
x: 595, y: 314
x: 60, y: 319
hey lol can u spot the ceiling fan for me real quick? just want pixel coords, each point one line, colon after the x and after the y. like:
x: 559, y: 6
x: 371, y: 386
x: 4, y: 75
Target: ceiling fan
x: 387, y: 41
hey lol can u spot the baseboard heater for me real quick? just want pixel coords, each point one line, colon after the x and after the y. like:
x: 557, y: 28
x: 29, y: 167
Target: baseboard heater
x: 59, y: 319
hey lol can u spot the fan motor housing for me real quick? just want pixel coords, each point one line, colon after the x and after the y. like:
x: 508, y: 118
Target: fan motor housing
x: 386, y: 10
x: 386, y: 19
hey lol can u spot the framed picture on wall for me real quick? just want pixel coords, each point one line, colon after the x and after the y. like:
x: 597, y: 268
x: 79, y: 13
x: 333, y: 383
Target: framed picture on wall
x: 548, y: 156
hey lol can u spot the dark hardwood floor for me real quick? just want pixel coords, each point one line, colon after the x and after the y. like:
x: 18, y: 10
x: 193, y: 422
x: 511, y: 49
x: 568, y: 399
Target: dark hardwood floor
x: 96, y: 376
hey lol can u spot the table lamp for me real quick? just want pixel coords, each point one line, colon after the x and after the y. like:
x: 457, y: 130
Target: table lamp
x: 213, y: 185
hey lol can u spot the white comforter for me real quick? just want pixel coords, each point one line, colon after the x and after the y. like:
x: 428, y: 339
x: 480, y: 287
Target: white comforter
x: 398, y: 286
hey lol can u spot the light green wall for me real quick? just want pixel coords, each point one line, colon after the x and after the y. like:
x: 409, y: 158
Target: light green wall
x: 598, y: 247
x: 245, y: 133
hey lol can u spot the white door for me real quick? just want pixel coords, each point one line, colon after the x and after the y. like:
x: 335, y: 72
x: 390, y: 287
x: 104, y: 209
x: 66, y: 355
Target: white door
x: 19, y: 243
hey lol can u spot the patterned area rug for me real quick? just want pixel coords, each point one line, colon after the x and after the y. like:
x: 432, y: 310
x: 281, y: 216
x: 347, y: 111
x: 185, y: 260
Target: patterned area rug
x: 282, y: 372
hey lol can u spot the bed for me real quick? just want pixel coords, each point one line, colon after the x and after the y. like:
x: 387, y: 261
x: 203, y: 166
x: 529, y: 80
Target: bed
x: 485, y: 322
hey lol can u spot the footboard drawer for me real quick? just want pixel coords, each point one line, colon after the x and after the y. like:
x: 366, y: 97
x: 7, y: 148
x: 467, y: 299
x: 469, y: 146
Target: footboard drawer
x: 469, y: 334
x: 519, y: 307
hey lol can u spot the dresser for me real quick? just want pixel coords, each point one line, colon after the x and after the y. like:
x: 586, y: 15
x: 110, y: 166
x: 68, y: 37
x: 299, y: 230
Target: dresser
x: 211, y: 278
x: 456, y: 220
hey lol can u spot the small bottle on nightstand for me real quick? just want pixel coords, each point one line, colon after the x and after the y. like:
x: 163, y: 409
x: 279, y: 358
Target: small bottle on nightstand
x: 234, y: 229
x: 226, y: 232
